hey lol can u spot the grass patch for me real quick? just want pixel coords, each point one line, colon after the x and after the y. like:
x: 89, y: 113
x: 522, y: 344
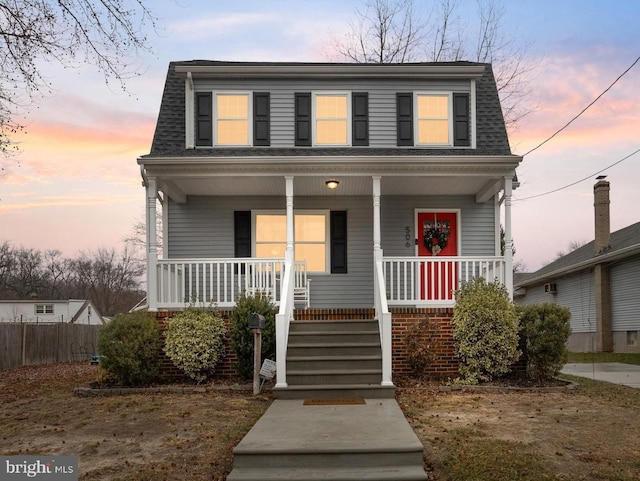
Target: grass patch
x: 623, y: 396
x: 477, y: 457
x: 588, y: 357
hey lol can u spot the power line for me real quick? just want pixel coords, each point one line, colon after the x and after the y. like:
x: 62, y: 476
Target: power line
x: 584, y: 109
x: 578, y: 181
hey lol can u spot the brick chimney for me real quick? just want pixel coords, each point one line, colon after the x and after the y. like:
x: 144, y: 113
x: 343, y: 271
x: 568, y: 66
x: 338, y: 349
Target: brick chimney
x: 602, y: 276
x: 602, y: 222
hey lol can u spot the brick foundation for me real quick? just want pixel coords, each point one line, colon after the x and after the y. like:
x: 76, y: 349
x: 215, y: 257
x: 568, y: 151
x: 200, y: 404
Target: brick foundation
x: 445, y: 366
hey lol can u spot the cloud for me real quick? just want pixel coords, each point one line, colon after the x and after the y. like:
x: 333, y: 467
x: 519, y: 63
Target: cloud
x: 216, y: 25
x: 74, y: 200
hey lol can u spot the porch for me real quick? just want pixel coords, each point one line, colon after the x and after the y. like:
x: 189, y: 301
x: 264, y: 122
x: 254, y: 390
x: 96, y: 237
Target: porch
x: 382, y: 282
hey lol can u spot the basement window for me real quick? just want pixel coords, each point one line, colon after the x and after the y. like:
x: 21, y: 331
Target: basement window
x: 632, y: 338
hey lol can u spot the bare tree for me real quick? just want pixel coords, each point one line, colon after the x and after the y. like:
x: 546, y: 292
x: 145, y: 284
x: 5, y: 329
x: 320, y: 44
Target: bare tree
x: 396, y: 31
x: 106, y: 33
x: 384, y: 32
x: 110, y: 279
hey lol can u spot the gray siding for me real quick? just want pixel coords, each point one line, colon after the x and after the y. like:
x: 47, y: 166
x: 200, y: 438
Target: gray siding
x: 476, y: 223
x: 382, y: 102
x: 203, y: 227
x: 577, y: 292
x: 625, y: 295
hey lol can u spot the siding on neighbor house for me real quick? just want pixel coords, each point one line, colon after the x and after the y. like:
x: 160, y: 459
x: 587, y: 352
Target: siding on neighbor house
x: 625, y: 295
x: 382, y: 101
x: 203, y: 228
x: 577, y: 292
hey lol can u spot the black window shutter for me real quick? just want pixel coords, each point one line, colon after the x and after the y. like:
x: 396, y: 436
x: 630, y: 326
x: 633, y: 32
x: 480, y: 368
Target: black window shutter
x: 360, y: 121
x: 338, y: 225
x: 404, y: 111
x: 242, y: 233
x: 461, y: 122
x: 261, y: 118
x: 204, y: 119
x: 303, y: 118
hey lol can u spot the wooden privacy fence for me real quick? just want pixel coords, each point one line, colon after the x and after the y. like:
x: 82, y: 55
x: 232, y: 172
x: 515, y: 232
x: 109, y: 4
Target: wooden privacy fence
x: 29, y: 344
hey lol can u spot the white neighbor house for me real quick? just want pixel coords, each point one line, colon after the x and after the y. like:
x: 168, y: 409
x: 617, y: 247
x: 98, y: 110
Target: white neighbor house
x: 384, y: 183
x: 73, y: 311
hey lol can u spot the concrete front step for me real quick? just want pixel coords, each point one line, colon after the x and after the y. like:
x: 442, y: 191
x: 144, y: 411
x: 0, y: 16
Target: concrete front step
x: 376, y: 473
x: 334, y: 325
x: 334, y: 349
x: 335, y: 391
x: 336, y: 337
x: 293, y: 441
x: 335, y: 376
x: 335, y: 362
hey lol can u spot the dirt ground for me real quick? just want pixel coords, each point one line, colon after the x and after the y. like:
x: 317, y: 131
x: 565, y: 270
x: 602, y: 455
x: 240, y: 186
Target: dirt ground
x: 135, y: 437
x: 576, y: 435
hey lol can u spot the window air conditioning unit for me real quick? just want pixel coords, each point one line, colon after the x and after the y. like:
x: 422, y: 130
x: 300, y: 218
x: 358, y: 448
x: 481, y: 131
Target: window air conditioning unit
x: 551, y: 288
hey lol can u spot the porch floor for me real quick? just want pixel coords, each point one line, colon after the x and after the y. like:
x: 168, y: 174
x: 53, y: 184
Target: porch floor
x: 371, y: 441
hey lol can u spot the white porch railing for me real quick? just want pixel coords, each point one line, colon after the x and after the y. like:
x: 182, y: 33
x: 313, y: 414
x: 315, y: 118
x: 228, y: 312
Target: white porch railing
x: 433, y: 280
x: 218, y: 282
x: 383, y: 316
x: 283, y: 319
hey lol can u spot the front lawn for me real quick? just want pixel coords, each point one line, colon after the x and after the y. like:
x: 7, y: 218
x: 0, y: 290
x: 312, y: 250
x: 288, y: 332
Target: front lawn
x: 626, y: 358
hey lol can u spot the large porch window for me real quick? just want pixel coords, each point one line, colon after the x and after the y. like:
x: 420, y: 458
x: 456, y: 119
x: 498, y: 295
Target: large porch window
x: 311, y: 237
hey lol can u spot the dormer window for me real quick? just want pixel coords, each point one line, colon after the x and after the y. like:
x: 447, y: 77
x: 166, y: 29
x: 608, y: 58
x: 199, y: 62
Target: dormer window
x: 433, y: 112
x: 433, y: 119
x: 228, y: 119
x: 332, y: 115
x: 232, y: 119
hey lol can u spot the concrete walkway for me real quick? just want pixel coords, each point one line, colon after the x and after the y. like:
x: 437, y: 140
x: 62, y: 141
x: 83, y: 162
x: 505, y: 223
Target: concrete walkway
x: 294, y: 441
x: 614, y: 372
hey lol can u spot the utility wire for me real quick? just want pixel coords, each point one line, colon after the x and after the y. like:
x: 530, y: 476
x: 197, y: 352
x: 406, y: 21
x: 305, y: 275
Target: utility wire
x: 578, y: 181
x: 567, y: 125
x: 584, y: 109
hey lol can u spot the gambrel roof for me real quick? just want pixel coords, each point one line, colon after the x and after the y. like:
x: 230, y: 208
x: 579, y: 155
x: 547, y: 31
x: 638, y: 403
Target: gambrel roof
x: 169, y: 136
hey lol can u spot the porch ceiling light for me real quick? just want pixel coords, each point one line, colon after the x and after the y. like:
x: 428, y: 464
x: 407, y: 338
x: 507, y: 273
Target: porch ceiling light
x: 332, y: 183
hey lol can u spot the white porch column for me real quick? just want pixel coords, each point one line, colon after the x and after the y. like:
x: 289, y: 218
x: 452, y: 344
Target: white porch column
x: 376, y: 212
x: 152, y: 245
x: 508, y: 241
x: 290, y: 231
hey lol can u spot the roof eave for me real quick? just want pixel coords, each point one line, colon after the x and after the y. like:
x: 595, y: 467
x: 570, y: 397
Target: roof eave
x: 600, y: 259
x: 332, y: 70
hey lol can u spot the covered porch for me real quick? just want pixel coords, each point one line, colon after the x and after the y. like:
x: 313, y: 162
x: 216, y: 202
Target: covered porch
x: 395, y: 280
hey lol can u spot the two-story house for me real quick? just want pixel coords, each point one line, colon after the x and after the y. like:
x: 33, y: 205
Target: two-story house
x: 360, y: 190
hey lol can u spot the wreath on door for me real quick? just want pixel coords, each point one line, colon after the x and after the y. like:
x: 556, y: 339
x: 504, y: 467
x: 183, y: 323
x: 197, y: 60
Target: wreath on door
x: 435, y: 240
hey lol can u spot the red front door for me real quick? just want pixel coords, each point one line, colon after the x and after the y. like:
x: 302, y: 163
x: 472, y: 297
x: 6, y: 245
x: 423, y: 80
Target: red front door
x: 437, y: 237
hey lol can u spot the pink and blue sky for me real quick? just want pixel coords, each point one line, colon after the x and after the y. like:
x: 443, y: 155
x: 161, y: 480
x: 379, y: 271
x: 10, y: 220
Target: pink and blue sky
x: 76, y: 185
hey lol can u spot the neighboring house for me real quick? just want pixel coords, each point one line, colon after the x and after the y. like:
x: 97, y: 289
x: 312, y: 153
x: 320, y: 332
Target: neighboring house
x: 599, y: 283
x: 73, y: 311
x: 382, y: 184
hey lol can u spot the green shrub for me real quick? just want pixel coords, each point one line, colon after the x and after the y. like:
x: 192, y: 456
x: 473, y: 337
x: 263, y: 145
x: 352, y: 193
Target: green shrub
x: 195, y: 342
x: 486, y: 330
x: 131, y: 344
x: 242, y: 338
x: 544, y: 331
x: 421, y: 342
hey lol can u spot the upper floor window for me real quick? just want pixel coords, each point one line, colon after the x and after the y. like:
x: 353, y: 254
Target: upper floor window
x: 232, y: 119
x: 433, y: 113
x: 332, y: 119
x: 437, y: 119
